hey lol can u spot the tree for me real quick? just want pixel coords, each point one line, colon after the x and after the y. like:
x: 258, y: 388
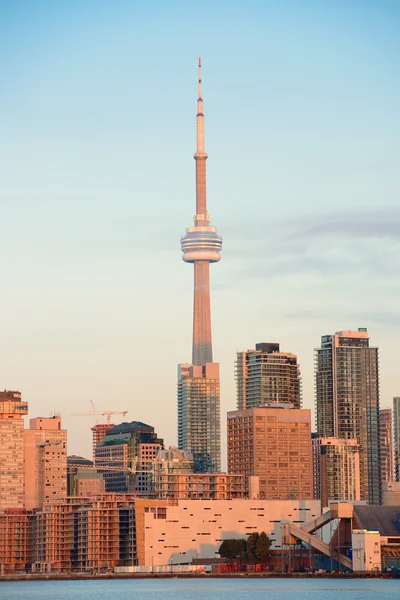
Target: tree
x: 252, y: 546
x: 233, y: 548
x: 263, y: 546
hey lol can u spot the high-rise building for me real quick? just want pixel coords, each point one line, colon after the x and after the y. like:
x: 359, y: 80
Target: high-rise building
x: 267, y: 375
x: 198, y: 384
x: 45, y: 462
x: 273, y: 442
x: 386, y: 444
x: 347, y: 400
x: 199, y: 415
x: 12, y: 409
x: 336, y: 469
x: 396, y: 436
x: 125, y: 457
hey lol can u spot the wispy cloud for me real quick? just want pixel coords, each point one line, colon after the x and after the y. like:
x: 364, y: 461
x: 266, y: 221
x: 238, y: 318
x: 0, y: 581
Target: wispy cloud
x: 390, y: 318
x: 337, y: 243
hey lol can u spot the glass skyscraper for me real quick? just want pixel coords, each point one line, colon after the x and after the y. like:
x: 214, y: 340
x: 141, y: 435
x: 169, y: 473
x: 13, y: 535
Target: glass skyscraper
x: 347, y: 400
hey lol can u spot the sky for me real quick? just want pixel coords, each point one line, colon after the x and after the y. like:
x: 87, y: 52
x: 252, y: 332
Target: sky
x: 97, y: 122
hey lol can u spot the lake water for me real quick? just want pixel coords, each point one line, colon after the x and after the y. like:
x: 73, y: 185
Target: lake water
x: 199, y: 589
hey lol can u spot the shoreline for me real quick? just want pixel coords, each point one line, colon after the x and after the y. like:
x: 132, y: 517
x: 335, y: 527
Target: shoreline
x: 111, y: 576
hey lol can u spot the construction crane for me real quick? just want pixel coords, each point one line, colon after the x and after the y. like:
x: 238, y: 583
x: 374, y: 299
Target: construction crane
x: 100, y: 413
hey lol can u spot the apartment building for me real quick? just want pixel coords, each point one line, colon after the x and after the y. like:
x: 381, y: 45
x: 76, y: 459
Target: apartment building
x: 45, y: 461
x: 12, y: 409
x: 336, y: 465
x: 273, y: 442
x: 347, y: 400
x: 266, y: 375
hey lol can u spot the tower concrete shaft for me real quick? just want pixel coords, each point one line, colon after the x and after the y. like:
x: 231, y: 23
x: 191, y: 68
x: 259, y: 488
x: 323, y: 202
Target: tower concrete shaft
x: 201, y: 246
x: 202, y: 343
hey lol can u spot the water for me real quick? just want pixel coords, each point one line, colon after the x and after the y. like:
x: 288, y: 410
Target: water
x: 204, y: 589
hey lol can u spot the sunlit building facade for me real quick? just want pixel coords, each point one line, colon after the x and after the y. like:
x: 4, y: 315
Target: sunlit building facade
x: 386, y: 444
x: 199, y: 415
x: 273, y: 442
x: 347, y: 400
x: 266, y: 375
x: 336, y: 465
x: 45, y: 461
x: 12, y: 409
x: 396, y: 436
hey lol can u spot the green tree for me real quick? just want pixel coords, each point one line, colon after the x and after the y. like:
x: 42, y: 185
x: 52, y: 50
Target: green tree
x: 233, y: 548
x: 263, y: 546
x: 252, y: 546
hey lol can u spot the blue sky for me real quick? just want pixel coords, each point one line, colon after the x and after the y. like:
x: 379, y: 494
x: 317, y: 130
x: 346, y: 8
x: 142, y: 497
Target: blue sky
x: 97, y: 121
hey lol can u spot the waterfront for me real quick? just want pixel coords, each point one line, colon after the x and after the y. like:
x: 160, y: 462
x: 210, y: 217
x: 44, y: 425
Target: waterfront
x: 199, y: 589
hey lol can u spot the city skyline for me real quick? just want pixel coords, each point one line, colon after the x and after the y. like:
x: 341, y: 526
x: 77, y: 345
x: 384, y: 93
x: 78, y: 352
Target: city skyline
x: 96, y: 178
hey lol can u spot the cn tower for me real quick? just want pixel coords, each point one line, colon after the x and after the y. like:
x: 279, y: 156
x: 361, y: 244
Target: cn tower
x: 201, y: 246
x: 199, y: 420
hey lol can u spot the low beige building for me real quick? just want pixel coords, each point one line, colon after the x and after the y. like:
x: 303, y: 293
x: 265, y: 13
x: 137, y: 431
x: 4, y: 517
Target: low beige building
x: 178, y: 533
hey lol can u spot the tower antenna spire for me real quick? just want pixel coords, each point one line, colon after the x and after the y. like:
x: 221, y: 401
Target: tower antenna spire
x: 200, y: 155
x: 201, y: 245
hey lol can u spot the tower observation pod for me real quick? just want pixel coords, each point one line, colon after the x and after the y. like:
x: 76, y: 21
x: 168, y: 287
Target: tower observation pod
x: 201, y: 246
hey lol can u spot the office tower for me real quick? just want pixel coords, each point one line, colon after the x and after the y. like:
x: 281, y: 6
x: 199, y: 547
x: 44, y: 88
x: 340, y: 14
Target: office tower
x: 198, y: 384
x: 12, y: 409
x: 336, y: 465
x: 45, y: 462
x: 126, y: 455
x: 386, y: 444
x: 273, y: 442
x: 347, y: 400
x: 267, y: 375
x: 396, y: 436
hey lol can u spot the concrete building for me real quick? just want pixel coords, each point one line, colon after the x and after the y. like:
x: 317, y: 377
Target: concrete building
x: 347, y: 400
x: 45, y: 461
x: 366, y: 546
x: 12, y: 409
x: 273, y: 442
x: 198, y: 383
x: 178, y: 533
x: 336, y: 469
x: 266, y: 375
x: 396, y: 436
x: 199, y: 415
x: 386, y: 444
x: 125, y: 457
